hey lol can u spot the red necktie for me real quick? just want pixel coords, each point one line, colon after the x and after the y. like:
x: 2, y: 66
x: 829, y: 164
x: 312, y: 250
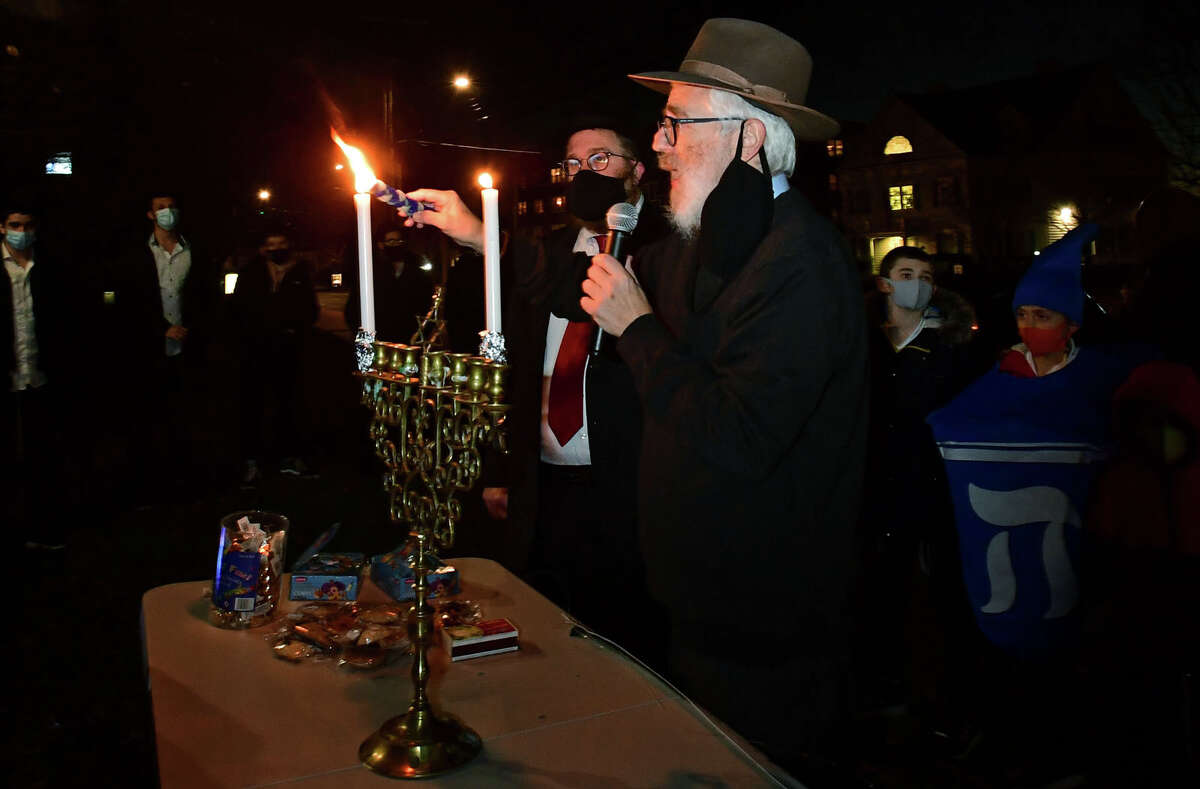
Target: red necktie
x: 565, y: 410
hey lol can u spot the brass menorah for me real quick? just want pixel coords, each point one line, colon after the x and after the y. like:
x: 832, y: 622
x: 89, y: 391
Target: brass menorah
x: 435, y: 413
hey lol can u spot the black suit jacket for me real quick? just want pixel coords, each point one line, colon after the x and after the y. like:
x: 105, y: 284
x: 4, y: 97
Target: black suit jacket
x: 50, y: 311
x: 139, y: 304
x: 547, y: 277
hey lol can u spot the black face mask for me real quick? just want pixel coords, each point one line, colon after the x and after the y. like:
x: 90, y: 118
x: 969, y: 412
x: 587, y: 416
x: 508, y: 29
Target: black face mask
x: 590, y: 195
x: 278, y: 256
x: 735, y: 218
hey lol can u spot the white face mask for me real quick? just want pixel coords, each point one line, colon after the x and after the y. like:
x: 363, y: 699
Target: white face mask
x: 911, y: 294
x: 167, y: 218
x: 19, y: 239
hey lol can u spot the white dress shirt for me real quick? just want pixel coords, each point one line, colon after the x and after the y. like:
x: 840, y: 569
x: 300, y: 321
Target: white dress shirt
x: 173, y: 269
x: 25, y: 346
x: 577, y: 451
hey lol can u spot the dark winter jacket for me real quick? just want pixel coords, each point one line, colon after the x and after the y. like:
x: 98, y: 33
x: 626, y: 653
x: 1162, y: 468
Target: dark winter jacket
x: 906, y: 386
x: 261, y: 314
x: 755, y: 431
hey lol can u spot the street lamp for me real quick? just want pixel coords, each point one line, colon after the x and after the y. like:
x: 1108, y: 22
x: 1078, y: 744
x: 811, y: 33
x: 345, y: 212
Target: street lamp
x: 462, y: 82
x: 264, y: 194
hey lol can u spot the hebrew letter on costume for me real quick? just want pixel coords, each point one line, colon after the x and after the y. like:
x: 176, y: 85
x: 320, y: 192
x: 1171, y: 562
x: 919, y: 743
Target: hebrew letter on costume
x: 1028, y: 507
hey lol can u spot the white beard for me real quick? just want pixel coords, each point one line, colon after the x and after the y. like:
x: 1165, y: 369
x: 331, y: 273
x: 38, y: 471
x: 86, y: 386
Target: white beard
x: 692, y: 191
x: 685, y: 217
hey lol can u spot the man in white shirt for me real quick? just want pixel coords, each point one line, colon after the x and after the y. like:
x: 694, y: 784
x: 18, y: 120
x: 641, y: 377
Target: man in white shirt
x: 575, y: 423
x: 165, y: 291
x: 28, y: 325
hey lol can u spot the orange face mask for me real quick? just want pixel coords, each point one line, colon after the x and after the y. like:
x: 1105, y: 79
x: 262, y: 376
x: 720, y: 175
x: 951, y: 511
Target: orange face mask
x: 1041, y: 342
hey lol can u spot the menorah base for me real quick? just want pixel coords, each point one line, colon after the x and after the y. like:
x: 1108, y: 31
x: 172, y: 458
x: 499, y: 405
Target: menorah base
x: 419, y: 745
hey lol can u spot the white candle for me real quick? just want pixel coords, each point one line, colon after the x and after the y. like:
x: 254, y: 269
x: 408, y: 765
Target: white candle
x: 491, y: 253
x: 366, y: 279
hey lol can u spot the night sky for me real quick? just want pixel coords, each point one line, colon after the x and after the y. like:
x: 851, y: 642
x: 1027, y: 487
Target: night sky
x: 218, y: 99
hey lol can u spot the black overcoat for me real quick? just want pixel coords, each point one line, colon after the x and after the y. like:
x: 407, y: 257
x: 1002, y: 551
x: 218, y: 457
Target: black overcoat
x: 755, y: 427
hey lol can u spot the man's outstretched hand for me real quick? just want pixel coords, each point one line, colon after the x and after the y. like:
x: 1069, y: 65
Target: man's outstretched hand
x: 450, y: 215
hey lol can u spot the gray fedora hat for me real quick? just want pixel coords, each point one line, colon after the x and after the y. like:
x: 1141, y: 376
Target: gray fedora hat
x: 757, y: 62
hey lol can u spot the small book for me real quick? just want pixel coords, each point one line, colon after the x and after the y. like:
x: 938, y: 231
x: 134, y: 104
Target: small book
x: 491, y: 637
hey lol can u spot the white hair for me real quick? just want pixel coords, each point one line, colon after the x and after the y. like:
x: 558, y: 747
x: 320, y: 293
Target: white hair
x: 780, y: 145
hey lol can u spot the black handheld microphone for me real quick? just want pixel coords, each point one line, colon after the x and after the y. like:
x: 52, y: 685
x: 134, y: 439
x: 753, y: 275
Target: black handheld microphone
x: 621, y: 220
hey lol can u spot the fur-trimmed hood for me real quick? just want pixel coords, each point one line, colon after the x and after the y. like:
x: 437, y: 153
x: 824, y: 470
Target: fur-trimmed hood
x: 955, y: 313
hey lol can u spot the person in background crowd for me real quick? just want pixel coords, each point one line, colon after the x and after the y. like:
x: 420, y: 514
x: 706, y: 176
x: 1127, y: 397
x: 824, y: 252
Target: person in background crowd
x: 403, y: 288
x: 752, y: 373
x: 1141, y: 646
x: 574, y: 427
x: 274, y: 308
x: 31, y: 334
x: 1161, y: 310
x: 912, y: 599
x: 1021, y: 447
x: 165, y: 293
x: 1141, y: 643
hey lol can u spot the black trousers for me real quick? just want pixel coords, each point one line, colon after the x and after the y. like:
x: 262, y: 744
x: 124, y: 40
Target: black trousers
x: 786, y: 697
x: 32, y: 465
x: 271, y: 396
x: 586, y: 559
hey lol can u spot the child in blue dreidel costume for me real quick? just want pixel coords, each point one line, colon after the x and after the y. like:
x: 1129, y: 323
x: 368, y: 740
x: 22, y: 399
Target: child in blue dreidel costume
x: 1021, y: 447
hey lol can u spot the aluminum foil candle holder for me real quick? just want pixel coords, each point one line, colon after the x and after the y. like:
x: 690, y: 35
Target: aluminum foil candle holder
x: 435, y: 414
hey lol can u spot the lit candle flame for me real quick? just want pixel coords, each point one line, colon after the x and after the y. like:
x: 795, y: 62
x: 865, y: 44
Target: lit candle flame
x: 485, y: 180
x: 364, y: 176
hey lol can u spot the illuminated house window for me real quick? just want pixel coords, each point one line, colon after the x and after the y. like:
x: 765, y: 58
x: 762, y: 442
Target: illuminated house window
x: 539, y: 207
x: 902, y: 198
x: 833, y: 148
x: 558, y: 202
x: 522, y: 208
x: 557, y: 175
x: 958, y: 269
x: 896, y: 145
x: 832, y: 182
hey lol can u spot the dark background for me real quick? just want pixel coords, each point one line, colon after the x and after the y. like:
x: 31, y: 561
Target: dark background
x: 216, y: 100
x: 219, y: 99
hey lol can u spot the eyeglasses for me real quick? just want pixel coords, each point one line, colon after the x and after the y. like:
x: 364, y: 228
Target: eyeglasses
x: 670, y: 126
x: 597, y: 162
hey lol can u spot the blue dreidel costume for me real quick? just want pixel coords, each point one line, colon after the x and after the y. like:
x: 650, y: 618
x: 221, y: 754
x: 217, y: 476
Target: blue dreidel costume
x: 1020, y: 457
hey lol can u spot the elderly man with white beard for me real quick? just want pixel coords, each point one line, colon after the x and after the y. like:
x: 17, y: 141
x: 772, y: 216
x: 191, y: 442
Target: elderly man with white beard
x: 747, y: 343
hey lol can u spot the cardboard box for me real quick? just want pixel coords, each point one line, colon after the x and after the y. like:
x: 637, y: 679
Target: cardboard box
x: 490, y: 637
x: 391, y: 573
x: 328, y: 577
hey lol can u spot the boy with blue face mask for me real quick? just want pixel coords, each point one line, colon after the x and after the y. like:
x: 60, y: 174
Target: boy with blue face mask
x: 30, y: 325
x: 163, y: 294
x: 919, y: 361
x: 906, y: 278
x: 19, y: 233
